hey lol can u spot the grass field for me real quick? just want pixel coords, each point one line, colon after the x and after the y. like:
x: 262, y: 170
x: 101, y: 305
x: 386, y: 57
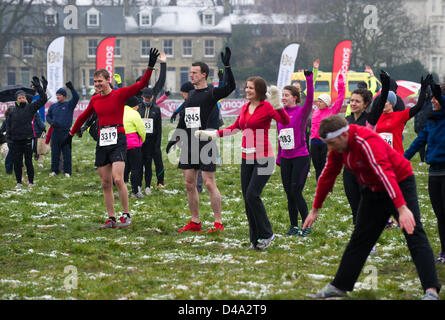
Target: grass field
x: 51, y: 248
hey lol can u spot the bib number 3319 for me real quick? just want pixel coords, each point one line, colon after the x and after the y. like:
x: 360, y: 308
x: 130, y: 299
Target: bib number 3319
x: 108, y: 136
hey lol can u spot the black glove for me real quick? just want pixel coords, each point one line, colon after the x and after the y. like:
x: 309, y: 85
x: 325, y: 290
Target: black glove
x: 385, y: 79
x: 44, y: 83
x: 173, y: 117
x: 307, y: 73
x: 167, y: 93
x: 36, y: 84
x: 170, y: 144
x: 69, y: 85
x: 68, y: 140
x: 154, y: 54
x: 437, y: 92
x: 225, y: 58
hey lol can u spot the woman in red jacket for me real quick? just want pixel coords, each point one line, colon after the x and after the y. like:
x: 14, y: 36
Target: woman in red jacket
x: 257, y: 155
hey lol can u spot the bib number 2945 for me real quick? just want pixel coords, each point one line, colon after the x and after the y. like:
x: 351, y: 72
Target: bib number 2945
x: 193, y: 117
x: 108, y: 136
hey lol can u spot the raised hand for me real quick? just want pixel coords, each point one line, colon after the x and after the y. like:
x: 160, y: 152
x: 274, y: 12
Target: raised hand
x: 69, y: 85
x: 307, y: 73
x: 316, y: 64
x: 384, y: 78
x: 154, y: 54
x: 225, y: 57
x: 275, y: 97
x: 424, y: 83
x: 44, y: 83
x: 162, y: 57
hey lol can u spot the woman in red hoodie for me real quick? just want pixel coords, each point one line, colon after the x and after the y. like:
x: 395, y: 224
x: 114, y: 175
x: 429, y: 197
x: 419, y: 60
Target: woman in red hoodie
x: 257, y: 154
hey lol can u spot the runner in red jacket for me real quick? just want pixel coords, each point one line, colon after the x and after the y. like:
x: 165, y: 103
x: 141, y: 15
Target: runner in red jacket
x: 390, y: 189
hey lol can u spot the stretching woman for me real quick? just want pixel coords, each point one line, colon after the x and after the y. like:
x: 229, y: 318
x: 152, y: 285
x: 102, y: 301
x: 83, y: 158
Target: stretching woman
x: 293, y: 155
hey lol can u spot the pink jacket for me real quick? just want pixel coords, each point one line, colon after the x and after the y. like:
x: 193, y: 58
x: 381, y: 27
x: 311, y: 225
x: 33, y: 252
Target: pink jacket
x: 318, y: 115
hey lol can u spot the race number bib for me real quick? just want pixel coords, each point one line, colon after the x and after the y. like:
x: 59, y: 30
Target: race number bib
x: 287, y: 140
x: 108, y: 136
x: 193, y: 117
x: 387, y: 137
x: 148, y: 122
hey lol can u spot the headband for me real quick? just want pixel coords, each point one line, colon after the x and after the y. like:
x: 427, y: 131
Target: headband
x: 336, y: 133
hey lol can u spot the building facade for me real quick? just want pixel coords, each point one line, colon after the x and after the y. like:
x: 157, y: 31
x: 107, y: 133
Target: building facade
x: 185, y: 34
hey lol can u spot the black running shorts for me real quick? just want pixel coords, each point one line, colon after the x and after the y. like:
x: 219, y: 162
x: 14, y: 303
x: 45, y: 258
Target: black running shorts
x: 113, y: 153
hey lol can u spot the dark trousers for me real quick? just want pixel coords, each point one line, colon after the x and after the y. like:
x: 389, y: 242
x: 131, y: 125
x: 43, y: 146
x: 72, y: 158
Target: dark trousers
x: 436, y: 190
x: 254, y: 176
x: 20, y: 149
x: 9, y: 160
x: 57, y: 137
x: 353, y: 192
x: 133, y: 164
x: 149, y: 154
x: 319, y: 153
x: 375, y: 208
x: 293, y: 175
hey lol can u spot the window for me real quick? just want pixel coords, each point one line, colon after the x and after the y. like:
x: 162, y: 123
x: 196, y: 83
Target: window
x: 435, y: 33
x: 211, y: 73
x: 184, y: 75
x: 168, y: 47
x: 9, y: 49
x: 208, y: 19
x: 92, y: 18
x: 91, y: 77
x: 117, y: 48
x: 92, y: 47
x: 11, y: 76
x: 25, y: 76
x: 145, y: 19
x: 51, y: 20
x: 322, y: 86
x: 28, y: 50
x: 187, y: 48
x: 209, y: 48
x: 145, y: 48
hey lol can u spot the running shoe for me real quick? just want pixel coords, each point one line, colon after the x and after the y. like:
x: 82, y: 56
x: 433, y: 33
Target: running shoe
x: 441, y: 258
x: 430, y: 296
x: 138, y: 195
x: 191, y: 226
x: 160, y: 186
x: 293, y: 231
x: 217, y: 227
x: 40, y: 165
x: 265, y: 243
x: 52, y: 174
x: 304, y: 233
x: 109, y: 224
x: 329, y: 291
x: 125, y: 221
x: 67, y: 175
x: 30, y: 185
x: 19, y: 186
x: 148, y: 191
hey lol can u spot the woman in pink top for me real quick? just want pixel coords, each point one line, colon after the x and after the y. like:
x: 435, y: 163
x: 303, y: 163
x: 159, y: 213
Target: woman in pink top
x: 319, y: 150
x: 257, y: 154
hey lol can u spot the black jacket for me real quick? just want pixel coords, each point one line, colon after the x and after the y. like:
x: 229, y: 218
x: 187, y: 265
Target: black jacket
x: 152, y: 111
x: 19, y: 124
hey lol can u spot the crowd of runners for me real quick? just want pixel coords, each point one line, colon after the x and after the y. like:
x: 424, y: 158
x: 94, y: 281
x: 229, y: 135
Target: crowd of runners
x: 367, y: 145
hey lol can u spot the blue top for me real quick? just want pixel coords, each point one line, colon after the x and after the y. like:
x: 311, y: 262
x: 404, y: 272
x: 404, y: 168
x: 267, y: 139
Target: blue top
x: 60, y: 115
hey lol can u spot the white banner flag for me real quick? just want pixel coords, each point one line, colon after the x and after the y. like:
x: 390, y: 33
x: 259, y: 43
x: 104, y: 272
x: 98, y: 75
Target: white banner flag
x: 287, y: 65
x: 54, y: 67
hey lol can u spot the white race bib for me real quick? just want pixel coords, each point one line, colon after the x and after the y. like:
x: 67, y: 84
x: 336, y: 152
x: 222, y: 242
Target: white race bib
x: 387, y: 137
x: 193, y: 117
x: 108, y: 136
x: 287, y: 140
x: 148, y: 122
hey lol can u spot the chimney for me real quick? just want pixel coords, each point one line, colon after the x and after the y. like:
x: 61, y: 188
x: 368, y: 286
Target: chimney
x: 227, y: 8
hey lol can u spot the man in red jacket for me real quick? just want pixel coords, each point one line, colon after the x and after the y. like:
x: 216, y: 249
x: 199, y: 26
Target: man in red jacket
x: 390, y: 189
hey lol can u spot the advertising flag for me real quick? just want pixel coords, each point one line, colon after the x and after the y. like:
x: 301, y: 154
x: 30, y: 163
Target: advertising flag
x: 287, y: 65
x: 105, y: 55
x: 342, y: 58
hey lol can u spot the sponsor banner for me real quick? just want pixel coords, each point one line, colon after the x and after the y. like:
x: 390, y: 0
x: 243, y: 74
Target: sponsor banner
x: 287, y: 65
x: 342, y: 58
x: 54, y: 67
x: 105, y: 55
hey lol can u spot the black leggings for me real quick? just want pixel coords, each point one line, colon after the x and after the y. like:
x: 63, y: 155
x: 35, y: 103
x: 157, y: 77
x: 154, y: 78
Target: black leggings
x: 375, y: 208
x: 20, y: 149
x: 353, y: 192
x: 293, y: 175
x: 436, y: 190
x: 149, y: 154
x: 319, y: 153
x: 133, y: 164
x: 254, y: 176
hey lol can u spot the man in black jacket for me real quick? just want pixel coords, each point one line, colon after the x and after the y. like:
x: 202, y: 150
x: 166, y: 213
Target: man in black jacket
x: 19, y: 131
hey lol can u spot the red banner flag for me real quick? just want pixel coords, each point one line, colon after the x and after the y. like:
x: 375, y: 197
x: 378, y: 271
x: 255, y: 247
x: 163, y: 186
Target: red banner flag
x: 342, y: 58
x: 105, y: 55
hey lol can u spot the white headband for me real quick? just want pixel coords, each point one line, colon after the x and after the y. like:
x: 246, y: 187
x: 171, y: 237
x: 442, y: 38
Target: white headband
x: 335, y: 134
